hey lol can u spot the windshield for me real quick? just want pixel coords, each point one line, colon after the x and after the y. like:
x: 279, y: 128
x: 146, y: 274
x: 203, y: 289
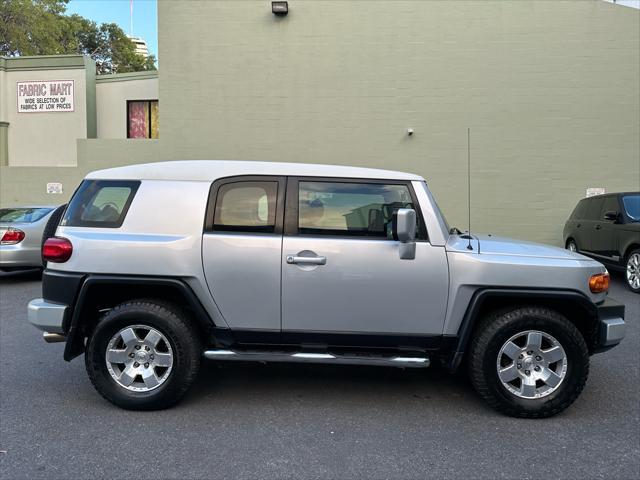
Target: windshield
x: 632, y: 207
x: 22, y: 215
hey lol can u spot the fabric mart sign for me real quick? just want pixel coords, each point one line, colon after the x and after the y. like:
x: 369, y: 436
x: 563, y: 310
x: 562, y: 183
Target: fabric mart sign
x: 45, y: 96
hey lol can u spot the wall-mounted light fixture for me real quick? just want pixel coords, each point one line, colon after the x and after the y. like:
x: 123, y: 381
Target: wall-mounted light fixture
x: 280, y: 8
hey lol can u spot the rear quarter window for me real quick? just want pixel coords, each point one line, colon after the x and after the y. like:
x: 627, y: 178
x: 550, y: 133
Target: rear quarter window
x: 100, y: 203
x: 594, y: 208
x: 580, y: 211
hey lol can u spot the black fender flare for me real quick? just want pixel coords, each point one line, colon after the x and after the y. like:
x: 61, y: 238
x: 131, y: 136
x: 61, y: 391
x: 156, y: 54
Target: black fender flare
x: 472, y: 314
x: 75, y: 334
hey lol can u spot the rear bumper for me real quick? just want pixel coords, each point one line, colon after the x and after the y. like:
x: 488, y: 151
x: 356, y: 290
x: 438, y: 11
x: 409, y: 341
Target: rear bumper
x: 47, y: 316
x: 611, y: 324
x: 20, y: 255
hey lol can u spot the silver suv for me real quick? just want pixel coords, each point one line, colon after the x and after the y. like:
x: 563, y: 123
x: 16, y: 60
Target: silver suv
x: 155, y: 266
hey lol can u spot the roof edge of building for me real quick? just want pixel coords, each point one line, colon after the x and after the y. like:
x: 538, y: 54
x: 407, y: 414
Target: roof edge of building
x: 126, y: 77
x: 43, y: 62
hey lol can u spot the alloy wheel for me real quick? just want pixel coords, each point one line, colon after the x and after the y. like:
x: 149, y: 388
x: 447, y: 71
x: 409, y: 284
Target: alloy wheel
x: 531, y: 364
x: 633, y: 271
x: 139, y: 358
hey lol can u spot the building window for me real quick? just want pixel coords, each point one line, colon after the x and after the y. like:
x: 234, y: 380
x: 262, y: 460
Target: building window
x: 142, y: 119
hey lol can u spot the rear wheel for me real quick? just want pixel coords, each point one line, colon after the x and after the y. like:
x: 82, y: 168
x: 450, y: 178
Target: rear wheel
x: 632, y: 271
x: 143, y: 355
x: 572, y: 246
x: 529, y: 362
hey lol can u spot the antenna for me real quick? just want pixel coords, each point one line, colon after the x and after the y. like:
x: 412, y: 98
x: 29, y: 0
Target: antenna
x: 469, y: 247
x: 131, y: 18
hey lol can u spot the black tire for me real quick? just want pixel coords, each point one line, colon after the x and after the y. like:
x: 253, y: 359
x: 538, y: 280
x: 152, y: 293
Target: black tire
x: 572, y: 242
x: 171, y: 322
x: 626, y: 263
x: 494, y: 331
x: 50, y: 228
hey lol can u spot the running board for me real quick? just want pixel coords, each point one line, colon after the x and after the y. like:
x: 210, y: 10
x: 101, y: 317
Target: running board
x: 326, y: 358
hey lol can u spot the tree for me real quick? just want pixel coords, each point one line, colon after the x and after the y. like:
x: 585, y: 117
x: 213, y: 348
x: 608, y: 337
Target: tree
x: 30, y: 27
x: 41, y: 27
x: 115, y: 52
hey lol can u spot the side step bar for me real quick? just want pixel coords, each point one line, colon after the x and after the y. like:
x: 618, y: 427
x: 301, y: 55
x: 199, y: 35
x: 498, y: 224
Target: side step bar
x: 326, y: 358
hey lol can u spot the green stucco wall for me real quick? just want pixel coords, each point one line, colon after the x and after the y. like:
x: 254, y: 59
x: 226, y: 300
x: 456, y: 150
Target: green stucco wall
x: 28, y: 185
x: 549, y: 89
x: 4, y: 143
x: 90, y: 85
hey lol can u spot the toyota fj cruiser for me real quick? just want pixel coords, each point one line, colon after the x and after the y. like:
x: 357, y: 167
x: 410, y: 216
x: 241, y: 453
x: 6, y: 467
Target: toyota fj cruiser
x: 155, y: 266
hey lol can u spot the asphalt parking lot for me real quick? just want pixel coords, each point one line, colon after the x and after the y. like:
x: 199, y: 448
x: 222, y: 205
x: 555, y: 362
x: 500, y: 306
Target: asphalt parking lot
x: 286, y: 421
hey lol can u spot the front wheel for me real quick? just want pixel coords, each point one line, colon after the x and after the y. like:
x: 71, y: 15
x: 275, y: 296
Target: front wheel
x: 529, y: 362
x: 143, y: 355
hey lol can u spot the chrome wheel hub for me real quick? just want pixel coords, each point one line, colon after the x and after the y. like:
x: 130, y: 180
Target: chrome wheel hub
x: 633, y: 271
x: 572, y: 247
x: 531, y: 364
x: 139, y: 358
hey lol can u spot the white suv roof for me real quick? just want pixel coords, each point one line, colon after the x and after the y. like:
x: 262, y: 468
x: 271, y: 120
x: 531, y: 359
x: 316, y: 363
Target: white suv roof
x: 209, y: 170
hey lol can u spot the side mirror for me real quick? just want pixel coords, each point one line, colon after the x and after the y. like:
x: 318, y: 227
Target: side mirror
x: 613, y: 216
x: 404, y: 230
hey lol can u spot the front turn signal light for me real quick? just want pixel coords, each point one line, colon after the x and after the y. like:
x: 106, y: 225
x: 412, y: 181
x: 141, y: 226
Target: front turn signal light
x: 599, y: 283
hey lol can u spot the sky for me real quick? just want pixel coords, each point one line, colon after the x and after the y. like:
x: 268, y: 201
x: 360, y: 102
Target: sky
x: 145, y: 17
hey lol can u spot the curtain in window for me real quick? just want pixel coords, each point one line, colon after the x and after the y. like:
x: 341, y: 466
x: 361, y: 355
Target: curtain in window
x: 139, y: 120
x: 154, y: 120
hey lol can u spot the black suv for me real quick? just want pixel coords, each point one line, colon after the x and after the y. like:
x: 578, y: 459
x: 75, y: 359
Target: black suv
x: 607, y: 228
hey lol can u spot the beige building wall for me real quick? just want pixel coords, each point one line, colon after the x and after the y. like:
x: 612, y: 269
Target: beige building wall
x: 112, y: 94
x: 3, y: 91
x: 549, y: 90
x: 45, y: 138
x: 4, y: 124
x: 41, y: 148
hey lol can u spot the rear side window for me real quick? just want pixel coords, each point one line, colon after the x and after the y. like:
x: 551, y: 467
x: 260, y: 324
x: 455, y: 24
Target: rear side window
x: 594, y: 208
x: 580, y: 212
x: 100, y: 203
x: 22, y: 215
x: 246, y: 207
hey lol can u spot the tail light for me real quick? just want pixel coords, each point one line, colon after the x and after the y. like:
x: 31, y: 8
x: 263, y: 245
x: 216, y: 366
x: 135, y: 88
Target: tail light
x: 599, y: 283
x: 12, y: 236
x: 57, y: 250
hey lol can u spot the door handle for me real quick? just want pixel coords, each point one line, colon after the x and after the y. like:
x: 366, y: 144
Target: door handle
x: 598, y: 227
x: 294, y: 259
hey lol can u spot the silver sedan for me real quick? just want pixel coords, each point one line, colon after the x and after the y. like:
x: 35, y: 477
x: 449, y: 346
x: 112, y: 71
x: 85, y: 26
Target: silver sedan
x: 21, y: 231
